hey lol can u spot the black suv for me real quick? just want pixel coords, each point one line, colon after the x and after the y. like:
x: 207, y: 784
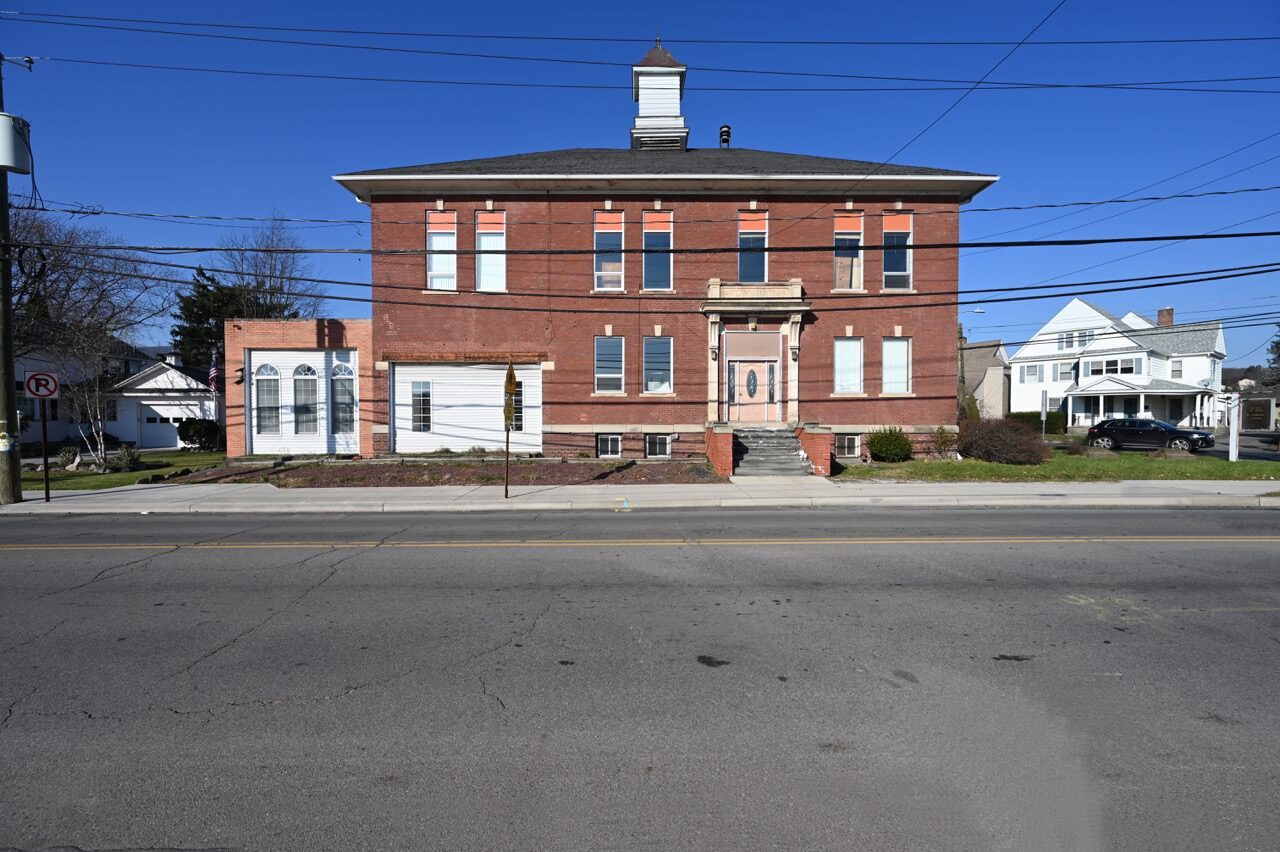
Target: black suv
x: 1113, y: 434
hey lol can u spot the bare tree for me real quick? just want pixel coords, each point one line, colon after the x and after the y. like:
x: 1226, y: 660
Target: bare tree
x: 264, y: 265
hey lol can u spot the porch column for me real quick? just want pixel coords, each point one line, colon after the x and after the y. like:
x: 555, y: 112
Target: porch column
x: 1070, y: 414
x: 713, y: 368
x: 1142, y: 403
x: 792, y: 357
x: 1101, y: 413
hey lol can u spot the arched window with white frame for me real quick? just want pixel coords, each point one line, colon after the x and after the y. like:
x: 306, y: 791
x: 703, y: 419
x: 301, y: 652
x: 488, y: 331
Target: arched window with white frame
x: 305, y: 420
x: 266, y: 400
x: 342, y: 396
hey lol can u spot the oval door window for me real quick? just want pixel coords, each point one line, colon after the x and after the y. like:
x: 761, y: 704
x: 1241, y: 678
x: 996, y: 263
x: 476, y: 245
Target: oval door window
x: 752, y: 384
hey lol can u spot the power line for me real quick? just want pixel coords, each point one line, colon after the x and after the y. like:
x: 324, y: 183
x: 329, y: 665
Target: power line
x: 1192, y: 86
x: 559, y: 60
x: 73, y: 209
x: 624, y: 40
x: 1084, y: 241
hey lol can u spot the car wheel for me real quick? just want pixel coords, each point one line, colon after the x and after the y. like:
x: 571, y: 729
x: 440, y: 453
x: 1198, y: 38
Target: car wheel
x: 1180, y: 444
x: 1104, y: 443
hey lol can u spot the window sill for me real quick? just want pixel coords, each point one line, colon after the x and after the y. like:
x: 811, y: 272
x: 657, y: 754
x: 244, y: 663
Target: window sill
x: 848, y: 396
x: 849, y: 290
x: 616, y: 292
x: 897, y: 396
x: 892, y: 291
x: 609, y: 393
x: 665, y: 291
x: 658, y: 393
x: 430, y: 292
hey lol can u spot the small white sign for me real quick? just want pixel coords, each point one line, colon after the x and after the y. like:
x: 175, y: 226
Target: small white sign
x: 42, y: 385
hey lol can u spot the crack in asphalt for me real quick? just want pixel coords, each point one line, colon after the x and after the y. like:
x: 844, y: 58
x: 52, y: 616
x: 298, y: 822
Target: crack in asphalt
x: 8, y: 713
x: 18, y: 645
x: 484, y: 688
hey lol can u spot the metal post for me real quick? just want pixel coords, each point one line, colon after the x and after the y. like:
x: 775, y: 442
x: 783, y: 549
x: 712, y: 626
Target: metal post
x: 11, y: 461
x: 1233, y: 424
x: 44, y: 443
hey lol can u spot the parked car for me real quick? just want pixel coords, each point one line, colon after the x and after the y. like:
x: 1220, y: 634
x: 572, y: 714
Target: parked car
x: 1113, y: 434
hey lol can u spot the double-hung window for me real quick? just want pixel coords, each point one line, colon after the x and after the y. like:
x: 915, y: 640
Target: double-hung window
x: 896, y: 365
x: 442, y: 243
x: 266, y: 400
x: 1031, y: 374
x: 657, y: 364
x: 608, y: 250
x: 657, y: 446
x: 1062, y: 371
x: 753, y: 239
x: 848, y: 362
x: 609, y: 446
x: 848, y: 249
x: 420, y: 406
x: 491, y: 236
x: 897, y: 257
x: 305, y: 421
x: 1175, y: 369
x: 658, y: 263
x: 608, y: 364
x: 342, y: 405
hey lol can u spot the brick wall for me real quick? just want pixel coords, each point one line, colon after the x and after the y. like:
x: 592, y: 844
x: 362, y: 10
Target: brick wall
x: 719, y: 444
x: 242, y: 335
x: 820, y: 447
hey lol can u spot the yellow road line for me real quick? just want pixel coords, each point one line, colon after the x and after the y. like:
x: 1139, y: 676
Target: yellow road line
x: 651, y: 542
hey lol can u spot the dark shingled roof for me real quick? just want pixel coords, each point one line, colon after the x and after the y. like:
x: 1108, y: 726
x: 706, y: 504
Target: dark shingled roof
x: 694, y: 161
x: 660, y: 57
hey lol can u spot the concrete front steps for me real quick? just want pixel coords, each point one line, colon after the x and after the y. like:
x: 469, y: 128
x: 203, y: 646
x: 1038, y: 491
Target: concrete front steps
x: 768, y: 452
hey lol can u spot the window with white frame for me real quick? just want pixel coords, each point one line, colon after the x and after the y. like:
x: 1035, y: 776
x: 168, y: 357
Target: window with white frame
x: 753, y: 239
x: 658, y: 263
x: 1114, y: 367
x: 420, y: 407
x: 609, y: 446
x: 1031, y: 373
x: 608, y: 364
x: 849, y: 446
x: 657, y: 446
x: 1066, y: 340
x: 657, y: 365
x: 848, y: 246
x: 266, y: 400
x: 517, y: 408
x: 342, y: 396
x: 305, y: 421
x: 896, y: 365
x: 491, y: 236
x: 897, y: 257
x: 1063, y: 371
x: 608, y: 250
x: 848, y: 365
x: 442, y: 244
x: 1175, y: 369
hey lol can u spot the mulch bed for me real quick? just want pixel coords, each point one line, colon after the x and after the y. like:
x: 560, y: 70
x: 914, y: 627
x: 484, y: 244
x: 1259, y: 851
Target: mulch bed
x: 475, y: 473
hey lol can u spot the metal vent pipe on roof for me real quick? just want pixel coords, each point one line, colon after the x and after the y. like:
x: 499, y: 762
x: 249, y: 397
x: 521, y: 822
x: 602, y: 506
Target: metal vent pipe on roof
x: 725, y: 132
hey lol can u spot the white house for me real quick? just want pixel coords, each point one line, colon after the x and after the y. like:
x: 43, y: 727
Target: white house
x: 1094, y: 366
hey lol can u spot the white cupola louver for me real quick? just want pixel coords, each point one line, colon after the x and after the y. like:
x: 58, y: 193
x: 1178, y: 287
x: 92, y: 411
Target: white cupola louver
x: 657, y: 85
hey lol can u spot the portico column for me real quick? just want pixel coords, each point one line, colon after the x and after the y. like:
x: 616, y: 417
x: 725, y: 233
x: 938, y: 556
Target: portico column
x: 1102, y: 411
x: 1142, y: 403
x: 1070, y: 414
x: 713, y: 368
x: 793, y: 368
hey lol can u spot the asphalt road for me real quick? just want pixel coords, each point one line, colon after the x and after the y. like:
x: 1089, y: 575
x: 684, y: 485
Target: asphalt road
x: 755, y: 679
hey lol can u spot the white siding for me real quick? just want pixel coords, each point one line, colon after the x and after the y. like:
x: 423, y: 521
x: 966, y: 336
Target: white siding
x: 659, y: 94
x: 466, y: 407
x: 322, y: 442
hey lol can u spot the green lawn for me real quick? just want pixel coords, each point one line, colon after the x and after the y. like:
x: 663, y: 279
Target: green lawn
x: 163, y: 463
x: 1067, y: 468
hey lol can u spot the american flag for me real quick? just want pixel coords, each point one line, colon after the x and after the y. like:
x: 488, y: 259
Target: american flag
x: 214, y: 372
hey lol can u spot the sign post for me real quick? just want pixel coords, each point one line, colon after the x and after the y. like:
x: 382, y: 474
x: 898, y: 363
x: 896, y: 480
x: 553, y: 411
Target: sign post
x: 508, y: 419
x: 1044, y: 411
x: 44, y: 387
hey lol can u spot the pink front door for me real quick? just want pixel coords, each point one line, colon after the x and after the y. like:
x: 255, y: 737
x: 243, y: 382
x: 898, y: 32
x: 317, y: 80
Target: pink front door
x: 752, y: 391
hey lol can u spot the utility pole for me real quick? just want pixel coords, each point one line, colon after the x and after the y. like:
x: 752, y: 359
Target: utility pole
x: 10, y: 461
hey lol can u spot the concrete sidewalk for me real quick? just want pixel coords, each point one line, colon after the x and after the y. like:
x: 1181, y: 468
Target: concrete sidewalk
x: 783, y: 491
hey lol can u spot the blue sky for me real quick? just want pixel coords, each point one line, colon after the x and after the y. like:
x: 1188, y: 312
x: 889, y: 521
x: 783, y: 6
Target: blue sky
x: 127, y: 139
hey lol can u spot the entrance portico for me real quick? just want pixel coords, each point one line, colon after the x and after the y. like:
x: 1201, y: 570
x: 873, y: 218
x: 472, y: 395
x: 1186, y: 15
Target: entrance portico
x: 1110, y: 398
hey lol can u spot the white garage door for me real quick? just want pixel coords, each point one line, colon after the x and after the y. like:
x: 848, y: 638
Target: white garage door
x: 459, y: 407
x: 158, y: 428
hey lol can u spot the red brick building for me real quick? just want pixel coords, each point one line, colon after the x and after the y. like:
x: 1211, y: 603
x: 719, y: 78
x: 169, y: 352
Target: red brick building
x: 646, y: 296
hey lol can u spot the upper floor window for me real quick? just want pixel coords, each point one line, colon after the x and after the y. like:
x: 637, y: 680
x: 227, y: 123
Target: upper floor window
x: 442, y: 245
x: 491, y: 235
x: 1114, y: 367
x: 1063, y: 371
x: 266, y: 400
x: 1030, y: 373
x: 753, y: 239
x: 848, y: 246
x: 897, y: 257
x: 608, y: 250
x: 608, y: 359
x: 657, y: 244
x: 1175, y: 369
x: 1074, y: 339
x: 305, y: 421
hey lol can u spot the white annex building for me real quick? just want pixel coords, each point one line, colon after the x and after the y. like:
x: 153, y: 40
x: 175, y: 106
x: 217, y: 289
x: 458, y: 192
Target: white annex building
x: 1094, y: 366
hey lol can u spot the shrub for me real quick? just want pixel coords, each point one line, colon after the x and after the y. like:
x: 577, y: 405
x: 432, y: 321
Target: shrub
x: 127, y: 459
x: 67, y: 456
x: 943, y: 443
x: 889, y: 445
x: 1054, y: 424
x: 202, y: 433
x: 1002, y: 441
